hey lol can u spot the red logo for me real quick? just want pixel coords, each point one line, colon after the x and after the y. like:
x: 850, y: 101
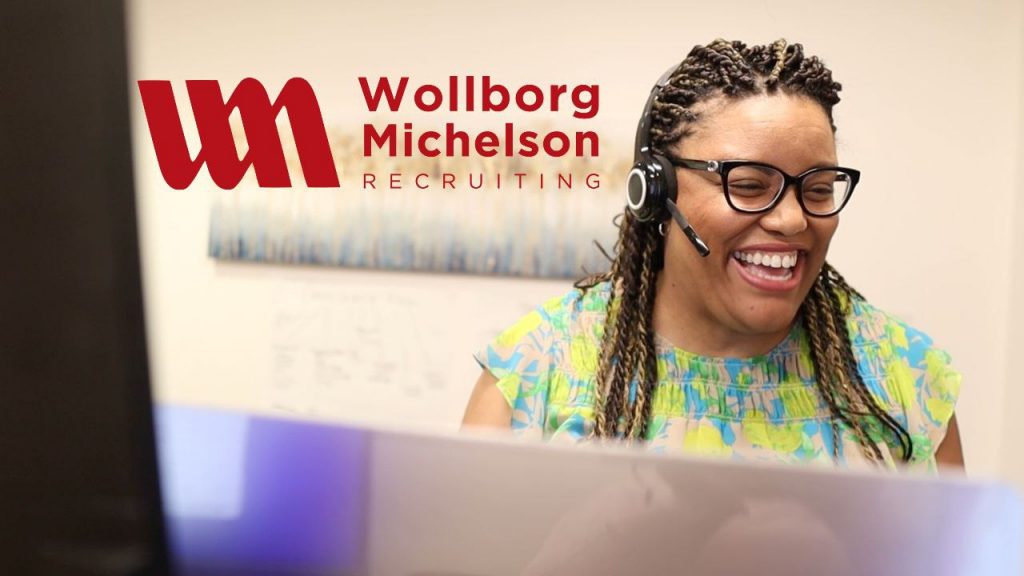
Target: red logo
x: 217, y: 144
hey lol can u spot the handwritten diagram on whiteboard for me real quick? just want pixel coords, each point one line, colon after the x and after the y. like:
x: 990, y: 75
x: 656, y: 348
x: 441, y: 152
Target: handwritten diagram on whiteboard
x: 395, y: 355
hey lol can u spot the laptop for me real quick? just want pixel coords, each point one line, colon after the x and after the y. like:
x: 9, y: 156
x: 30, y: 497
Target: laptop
x: 250, y: 494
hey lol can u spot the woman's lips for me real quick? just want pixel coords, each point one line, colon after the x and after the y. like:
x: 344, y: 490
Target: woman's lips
x: 770, y: 270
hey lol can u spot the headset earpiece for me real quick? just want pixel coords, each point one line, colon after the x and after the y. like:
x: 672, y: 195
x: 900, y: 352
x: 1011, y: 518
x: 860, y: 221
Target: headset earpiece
x: 651, y: 182
x: 652, y: 179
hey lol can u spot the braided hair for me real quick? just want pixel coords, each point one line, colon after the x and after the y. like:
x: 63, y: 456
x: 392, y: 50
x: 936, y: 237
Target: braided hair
x: 731, y: 70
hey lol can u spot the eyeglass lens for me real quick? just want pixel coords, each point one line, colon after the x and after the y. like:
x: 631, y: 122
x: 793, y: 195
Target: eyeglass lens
x: 755, y: 187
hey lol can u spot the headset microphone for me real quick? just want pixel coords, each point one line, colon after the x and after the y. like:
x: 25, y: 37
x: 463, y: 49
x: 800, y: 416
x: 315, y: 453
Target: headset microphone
x: 700, y: 245
x: 651, y: 186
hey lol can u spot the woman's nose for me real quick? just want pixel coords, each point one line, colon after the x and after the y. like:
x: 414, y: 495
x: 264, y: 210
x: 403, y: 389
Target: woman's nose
x: 787, y: 217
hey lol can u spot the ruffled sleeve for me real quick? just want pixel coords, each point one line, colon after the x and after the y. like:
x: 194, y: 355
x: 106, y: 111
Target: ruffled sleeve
x: 938, y: 391
x: 520, y: 359
x: 909, y: 375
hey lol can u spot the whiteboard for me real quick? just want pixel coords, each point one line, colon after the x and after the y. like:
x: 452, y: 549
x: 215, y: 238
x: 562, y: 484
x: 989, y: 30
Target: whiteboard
x: 402, y: 353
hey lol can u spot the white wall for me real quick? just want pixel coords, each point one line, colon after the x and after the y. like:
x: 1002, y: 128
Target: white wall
x: 931, y: 106
x: 1013, y: 430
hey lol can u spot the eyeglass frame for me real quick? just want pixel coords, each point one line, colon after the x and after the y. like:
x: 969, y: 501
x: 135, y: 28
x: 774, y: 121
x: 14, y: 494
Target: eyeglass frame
x: 723, y: 167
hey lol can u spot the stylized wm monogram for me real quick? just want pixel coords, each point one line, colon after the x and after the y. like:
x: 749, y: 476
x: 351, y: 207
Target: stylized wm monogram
x: 217, y: 144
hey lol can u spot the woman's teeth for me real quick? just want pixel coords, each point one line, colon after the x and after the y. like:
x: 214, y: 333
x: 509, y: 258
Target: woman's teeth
x: 767, y: 259
x: 776, y: 266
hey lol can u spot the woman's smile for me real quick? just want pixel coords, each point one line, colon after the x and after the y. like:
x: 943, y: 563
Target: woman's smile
x: 776, y: 268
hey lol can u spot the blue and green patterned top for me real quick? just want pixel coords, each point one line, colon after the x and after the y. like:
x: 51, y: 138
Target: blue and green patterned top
x: 764, y: 408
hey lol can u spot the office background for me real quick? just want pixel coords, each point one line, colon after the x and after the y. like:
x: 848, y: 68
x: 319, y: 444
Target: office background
x: 932, y: 113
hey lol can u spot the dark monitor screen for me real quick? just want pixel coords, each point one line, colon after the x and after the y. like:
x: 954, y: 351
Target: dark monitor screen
x: 78, y: 483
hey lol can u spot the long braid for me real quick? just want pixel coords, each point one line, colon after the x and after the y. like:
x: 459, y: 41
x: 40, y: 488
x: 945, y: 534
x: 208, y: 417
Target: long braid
x: 838, y: 286
x: 627, y: 348
x: 819, y: 358
x: 834, y: 372
x: 628, y: 359
x: 608, y: 395
x: 646, y: 358
x: 833, y: 299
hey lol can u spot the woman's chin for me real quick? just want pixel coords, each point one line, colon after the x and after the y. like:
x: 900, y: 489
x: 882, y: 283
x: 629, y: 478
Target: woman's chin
x: 767, y: 318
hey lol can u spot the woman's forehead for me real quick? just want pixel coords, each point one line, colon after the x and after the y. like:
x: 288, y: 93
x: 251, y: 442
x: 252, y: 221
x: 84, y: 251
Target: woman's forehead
x: 762, y: 127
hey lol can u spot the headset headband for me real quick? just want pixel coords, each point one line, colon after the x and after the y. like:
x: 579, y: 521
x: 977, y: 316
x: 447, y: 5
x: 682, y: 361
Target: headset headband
x: 642, y: 144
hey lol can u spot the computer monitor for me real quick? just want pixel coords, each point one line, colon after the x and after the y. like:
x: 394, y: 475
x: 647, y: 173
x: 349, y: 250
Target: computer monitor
x: 79, y: 490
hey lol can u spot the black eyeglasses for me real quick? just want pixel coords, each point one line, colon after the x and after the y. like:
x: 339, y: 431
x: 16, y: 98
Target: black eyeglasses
x: 756, y: 187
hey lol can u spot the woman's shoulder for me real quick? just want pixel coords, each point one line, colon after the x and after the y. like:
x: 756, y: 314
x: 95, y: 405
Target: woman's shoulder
x: 891, y: 348
x: 907, y: 371
x: 540, y: 354
x: 870, y: 326
x: 537, y: 337
x: 559, y: 317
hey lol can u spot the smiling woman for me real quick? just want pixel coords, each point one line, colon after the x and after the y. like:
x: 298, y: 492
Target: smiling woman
x: 751, y: 345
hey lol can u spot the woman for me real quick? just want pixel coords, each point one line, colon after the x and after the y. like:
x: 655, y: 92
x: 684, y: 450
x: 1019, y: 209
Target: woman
x: 729, y: 333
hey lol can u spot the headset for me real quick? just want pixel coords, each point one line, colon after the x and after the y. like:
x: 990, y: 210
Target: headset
x: 651, y: 185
